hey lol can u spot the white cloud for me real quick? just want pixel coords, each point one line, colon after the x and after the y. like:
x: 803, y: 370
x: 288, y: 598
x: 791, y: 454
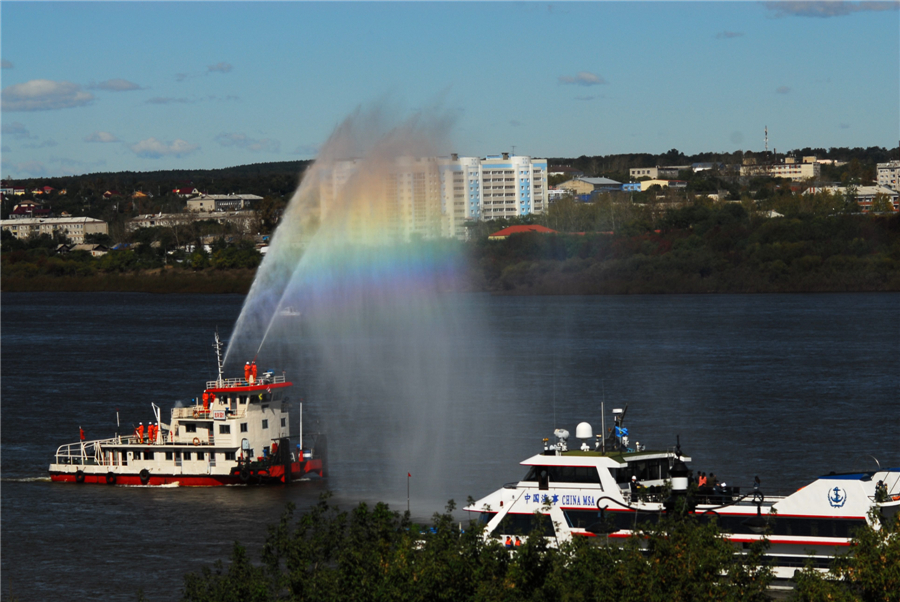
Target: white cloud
x: 44, y: 95
x: 828, y: 8
x: 220, y: 67
x: 151, y: 148
x: 240, y: 140
x: 115, y: 85
x: 584, y: 78
x: 16, y: 130
x: 49, y: 143
x: 101, y: 137
x: 4, y: 64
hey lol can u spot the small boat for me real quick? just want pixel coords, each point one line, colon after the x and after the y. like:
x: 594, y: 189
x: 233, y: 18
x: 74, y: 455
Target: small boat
x: 610, y: 490
x: 236, y: 433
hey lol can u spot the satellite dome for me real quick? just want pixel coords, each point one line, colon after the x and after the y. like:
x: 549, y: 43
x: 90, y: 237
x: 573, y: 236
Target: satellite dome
x: 584, y: 431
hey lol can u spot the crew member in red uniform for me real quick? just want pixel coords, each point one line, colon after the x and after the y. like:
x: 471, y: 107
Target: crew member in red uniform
x: 205, y: 401
x: 247, y: 372
x: 139, y: 431
x: 253, y: 372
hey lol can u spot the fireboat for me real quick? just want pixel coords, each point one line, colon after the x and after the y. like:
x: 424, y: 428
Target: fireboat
x: 236, y: 433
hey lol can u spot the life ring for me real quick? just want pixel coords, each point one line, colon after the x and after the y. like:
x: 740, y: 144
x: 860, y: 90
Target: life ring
x: 145, y: 476
x: 110, y: 478
x: 196, y: 413
x: 79, y: 476
x: 245, y: 474
x: 196, y: 440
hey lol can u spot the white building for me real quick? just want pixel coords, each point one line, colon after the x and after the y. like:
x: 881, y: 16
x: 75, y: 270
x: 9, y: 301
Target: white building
x: 244, y: 221
x: 74, y: 228
x: 889, y: 175
x: 864, y: 195
x: 222, y: 202
x: 789, y: 169
x: 436, y: 196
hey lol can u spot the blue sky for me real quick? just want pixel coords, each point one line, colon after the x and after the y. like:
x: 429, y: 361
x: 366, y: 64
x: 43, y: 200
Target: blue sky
x: 110, y: 86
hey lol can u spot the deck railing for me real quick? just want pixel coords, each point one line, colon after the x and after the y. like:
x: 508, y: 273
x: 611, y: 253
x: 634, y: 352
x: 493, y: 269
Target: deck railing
x: 230, y: 383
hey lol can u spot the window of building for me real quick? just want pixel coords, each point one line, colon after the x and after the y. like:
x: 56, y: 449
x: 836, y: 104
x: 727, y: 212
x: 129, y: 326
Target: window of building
x: 284, y: 422
x: 224, y: 429
x: 265, y: 424
x: 243, y: 427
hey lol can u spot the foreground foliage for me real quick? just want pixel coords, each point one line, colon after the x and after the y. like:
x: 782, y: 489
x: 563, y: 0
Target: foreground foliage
x: 378, y: 554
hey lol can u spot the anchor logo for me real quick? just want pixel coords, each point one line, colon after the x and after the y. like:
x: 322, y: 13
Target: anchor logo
x: 837, y: 497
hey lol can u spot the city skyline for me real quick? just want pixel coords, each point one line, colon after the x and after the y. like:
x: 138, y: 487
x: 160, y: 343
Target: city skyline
x: 114, y: 86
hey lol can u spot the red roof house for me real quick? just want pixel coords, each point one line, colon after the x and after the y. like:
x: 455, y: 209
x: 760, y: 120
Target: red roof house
x: 507, y: 232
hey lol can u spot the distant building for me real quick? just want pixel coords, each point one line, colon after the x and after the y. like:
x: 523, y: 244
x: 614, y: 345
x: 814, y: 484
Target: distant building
x: 186, y: 192
x: 582, y: 186
x: 889, y: 175
x: 646, y: 184
x: 439, y: 196
x: 660, y: 171
x: 864, y: 195
x: 74, y: 228
x: 222, y: 202
x: 789, y: 169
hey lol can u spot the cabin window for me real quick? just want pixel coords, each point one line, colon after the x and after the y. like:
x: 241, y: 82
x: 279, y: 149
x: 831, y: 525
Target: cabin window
x: 224, y: 429
x: 168, y: 455
x: 284, y: 422
x: 243, y: 427
x: 187, y: 455
x: 148, y: 455
x: 265, y: 424
x: 200, y: 455
x: 229, y: 455
x: 123, y: 458
x: 190, y: 427
x: 565, y: 474
x: 242, y: 399
x: 523, y: 524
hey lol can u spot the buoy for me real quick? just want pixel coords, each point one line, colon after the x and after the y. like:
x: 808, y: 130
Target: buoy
x: 79, y: 476
x: 145, y: 476
x: 110, y: 478
x: 196, y: 413
x: 196, y: 440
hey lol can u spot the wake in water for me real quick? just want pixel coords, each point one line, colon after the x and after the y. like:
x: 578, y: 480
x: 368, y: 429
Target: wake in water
x: 353, y: 295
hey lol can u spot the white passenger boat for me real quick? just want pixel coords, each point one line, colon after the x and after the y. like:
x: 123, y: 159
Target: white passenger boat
x: 608, y: 489
x: 236, y: 432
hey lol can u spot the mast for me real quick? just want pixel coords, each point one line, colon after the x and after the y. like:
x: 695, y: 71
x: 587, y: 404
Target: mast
x: 221, y: 363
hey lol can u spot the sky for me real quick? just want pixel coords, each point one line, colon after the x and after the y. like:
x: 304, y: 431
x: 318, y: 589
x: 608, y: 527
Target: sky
x: 145, y: 86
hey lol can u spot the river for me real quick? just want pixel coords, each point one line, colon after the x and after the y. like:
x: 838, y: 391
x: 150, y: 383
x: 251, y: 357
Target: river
x: 781, y: 386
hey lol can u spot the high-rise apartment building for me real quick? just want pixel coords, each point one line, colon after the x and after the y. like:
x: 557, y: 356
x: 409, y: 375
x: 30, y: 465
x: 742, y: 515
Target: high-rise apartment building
x: 434, y: 196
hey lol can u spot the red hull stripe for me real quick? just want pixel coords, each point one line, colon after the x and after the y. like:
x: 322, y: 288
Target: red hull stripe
x: 275, y: 472
x: 795, y: 542
x: 249, y: 388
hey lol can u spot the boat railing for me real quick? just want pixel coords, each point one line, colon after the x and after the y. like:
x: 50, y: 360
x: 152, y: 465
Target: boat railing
x: 230, y: 383
x: 198, y: 412
x: 83, y: 452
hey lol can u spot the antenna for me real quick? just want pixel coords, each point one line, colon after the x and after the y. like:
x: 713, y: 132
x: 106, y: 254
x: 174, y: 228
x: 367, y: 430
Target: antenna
x: 767, y: 139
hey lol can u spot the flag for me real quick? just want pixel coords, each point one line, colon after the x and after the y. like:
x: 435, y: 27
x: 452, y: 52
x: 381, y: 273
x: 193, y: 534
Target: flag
x: 408, y: 475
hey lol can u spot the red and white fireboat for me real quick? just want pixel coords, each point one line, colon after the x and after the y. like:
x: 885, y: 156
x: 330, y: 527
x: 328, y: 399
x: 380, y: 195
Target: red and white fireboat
x: 236, y: 433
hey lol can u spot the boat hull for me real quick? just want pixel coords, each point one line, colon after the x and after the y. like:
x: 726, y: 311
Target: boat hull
x: 99, y: 476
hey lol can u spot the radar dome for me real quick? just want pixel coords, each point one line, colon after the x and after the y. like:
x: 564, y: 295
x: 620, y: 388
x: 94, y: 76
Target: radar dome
x: 584, y: 431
